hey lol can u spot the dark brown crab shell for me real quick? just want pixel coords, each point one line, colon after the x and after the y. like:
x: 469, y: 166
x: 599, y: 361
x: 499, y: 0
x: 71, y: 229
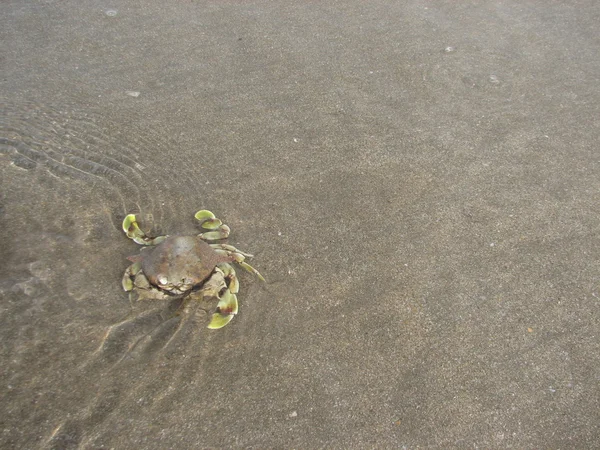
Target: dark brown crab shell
x: 180, y: 263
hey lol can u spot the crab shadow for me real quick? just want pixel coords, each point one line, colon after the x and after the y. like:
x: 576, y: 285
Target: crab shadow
x: 129, y: 362
x: 165, y: 328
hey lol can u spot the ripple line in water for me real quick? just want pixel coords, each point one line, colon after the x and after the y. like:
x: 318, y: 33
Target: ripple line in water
x: 79, y: 146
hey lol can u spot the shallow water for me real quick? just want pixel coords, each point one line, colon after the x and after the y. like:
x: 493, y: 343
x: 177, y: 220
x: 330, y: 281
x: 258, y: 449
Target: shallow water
x: 418, y: 184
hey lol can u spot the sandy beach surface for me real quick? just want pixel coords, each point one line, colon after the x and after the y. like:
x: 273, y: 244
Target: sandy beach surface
x: 419, y: 182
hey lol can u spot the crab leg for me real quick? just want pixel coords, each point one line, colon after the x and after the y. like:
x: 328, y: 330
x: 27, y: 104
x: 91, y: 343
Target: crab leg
x: 222, y: 232
x: 219, y: 320
x: 231, y: 248
x: 228, y: 304
x: 215, y: 284
x: 229, y: 274
x: 251, y: 269
x: 226, y: 309
x: 134, y: 232
x: 240, y: 259
x: 208, y: 220
x: 204, y: 214
x: 216, y: 229
x: 129, y: 275
x: 224, y: 273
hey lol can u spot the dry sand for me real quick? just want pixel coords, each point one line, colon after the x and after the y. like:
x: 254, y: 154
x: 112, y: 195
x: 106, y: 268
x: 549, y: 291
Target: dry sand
x: 419, y: 182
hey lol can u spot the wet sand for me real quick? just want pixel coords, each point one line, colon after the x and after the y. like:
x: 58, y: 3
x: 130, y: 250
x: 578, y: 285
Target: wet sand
x: 418, y: 182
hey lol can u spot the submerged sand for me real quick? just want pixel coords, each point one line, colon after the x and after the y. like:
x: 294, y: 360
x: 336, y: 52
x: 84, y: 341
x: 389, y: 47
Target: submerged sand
x: 418, y: 182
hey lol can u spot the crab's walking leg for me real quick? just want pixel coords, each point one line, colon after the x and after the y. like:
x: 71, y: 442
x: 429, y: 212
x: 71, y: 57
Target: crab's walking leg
x: 134, y: 232
x: 129, y: 276
x: 226, y: 309
x: 221, y: 233
x: 228, y: 304
x: 230, y: 249
x: 251, y: 269
x: 208, y: 221
x: 229, y: 273
x: 215, y: 284
x: 134, y: 280
x: 238, y: 256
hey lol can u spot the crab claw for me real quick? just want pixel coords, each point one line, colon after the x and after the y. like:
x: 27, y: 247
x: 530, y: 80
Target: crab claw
x: 134, y: 232
x: 226, y: 309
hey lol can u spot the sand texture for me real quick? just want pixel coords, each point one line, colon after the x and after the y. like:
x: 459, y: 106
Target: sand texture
x: 419, y: 182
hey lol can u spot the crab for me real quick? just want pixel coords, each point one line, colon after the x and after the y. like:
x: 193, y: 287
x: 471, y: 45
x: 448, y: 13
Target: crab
x: 176, y: 266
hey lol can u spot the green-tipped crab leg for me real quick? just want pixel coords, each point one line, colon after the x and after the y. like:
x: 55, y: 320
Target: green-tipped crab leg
x: 229, y: 274
x: 231, y: 248
x: 239, y: 258
x: 212, y: 224
x: 208, y: 220
x: 131, y: 227
x: 215, y: 284
x: 219, y: 321
x: 220, y: 233
x: 129, y: 274
x: 226, y: 309
x: 251, y: 269
x: 134, y: 232
x: 204, y: 214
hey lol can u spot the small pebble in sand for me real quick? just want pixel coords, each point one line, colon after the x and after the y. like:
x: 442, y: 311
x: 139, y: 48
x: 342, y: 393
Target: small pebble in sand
x: 133, y: 93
